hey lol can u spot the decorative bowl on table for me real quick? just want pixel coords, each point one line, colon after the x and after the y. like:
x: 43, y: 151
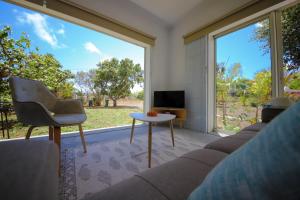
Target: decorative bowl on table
x: 151, y: 114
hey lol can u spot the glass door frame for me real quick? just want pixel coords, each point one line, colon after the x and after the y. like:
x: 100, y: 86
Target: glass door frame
x: 276, y: 53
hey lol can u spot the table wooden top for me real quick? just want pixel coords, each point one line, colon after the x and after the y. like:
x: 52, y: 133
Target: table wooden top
x: 159, y: 118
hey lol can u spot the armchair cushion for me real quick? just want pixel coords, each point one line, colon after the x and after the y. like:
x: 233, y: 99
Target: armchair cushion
x: 69, y: 119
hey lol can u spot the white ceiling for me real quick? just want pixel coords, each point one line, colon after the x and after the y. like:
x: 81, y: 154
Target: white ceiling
x: 168, y: 10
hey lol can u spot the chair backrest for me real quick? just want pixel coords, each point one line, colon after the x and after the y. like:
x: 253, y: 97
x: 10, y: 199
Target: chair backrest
x: 26, y: 90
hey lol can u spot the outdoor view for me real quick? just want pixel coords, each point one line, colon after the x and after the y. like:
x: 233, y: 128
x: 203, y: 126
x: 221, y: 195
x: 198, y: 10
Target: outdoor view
x: 73, y: 62
x: 243, y: 71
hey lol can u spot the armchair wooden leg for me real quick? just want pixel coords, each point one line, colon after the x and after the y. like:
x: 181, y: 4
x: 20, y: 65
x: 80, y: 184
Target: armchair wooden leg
x: 29, y: 132
x: 57, y: 137
x: 50, y: 133
x: 82, y: 138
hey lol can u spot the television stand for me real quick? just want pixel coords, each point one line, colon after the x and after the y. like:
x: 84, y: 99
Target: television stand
x: 179, y: 112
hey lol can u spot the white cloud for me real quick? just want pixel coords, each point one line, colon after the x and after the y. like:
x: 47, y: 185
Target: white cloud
x: 91, y: 47
x: 40, y: 27
x: 258, y: 25
x: 61, y: 31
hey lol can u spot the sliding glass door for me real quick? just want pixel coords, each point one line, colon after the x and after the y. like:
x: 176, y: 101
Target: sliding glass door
x: 242, y: 75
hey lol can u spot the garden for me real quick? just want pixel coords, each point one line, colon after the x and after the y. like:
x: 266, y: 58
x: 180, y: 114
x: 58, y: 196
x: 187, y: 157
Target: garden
x: 240, y: 99
x: 106, y: 91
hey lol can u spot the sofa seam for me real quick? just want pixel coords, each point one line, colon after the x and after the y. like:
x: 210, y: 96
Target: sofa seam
x: 152, y: 185
x: 210, y: 165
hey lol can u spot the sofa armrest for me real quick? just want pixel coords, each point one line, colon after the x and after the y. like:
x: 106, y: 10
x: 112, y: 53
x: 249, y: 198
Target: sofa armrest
x: 69, y: 106
x: 269, y: 113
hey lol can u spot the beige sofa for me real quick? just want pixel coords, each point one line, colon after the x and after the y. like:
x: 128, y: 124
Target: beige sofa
x: 176, y: 179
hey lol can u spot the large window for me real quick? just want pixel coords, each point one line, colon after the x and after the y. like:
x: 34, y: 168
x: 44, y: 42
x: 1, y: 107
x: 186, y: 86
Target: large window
x: 243, y: 76
x: 253, y: 63
x: 107, y: 74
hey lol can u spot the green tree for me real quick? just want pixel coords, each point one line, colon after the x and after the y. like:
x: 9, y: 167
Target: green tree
x: 290, y: 21
x: 16, y: 59
x: 115, y: 78
x: 13, y: 58
x: 260, y: 90
x: 242, y: 86
x: 140, y: 95
x: 86, y: 83
x: 225, y: 82
x: 66, y: 91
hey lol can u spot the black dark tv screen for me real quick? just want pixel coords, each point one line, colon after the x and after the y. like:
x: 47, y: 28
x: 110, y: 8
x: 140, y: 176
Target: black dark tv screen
x: 170, y: 99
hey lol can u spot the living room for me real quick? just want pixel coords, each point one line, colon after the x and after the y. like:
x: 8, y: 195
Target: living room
x: 180, y: 41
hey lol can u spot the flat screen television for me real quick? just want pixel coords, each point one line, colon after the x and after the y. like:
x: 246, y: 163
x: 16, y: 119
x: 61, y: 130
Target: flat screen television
x: 170, y: 99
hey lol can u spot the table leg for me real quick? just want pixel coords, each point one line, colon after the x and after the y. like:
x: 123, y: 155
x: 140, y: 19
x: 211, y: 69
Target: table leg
x: 172, y: 132
x: 7, y: 125
x: 132, y: 130
x: 2, y: 125
x: 149, y: 144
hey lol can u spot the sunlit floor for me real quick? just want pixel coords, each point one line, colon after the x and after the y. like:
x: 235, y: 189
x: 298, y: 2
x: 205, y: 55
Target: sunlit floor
x: 110, y: 158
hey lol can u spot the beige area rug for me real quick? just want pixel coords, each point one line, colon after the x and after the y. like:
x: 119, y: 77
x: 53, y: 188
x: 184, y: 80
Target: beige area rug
x: 110, y: 162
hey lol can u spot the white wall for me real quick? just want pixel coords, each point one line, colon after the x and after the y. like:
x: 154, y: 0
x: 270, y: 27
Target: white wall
x: 181, y: 74
x: 134, y: 16
x: 203, y: 14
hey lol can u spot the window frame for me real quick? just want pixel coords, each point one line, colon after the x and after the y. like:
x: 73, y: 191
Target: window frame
x: 276, y: 52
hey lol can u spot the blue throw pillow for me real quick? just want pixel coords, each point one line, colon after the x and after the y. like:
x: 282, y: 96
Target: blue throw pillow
x: 267, y: 167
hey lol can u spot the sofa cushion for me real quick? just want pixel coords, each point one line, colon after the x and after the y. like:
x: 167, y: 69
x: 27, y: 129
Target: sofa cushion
x: 130, y: 189
x: 174, y: 180
x: 267, y: 167
x: 178, y: 178
x: 28, y: 170
x: 206, y: 156
x: 230, y: 143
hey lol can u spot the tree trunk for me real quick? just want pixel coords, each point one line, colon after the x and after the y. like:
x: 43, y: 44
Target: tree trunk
x: 224, y: 113
x: 256, y: 114
x: 114, y: 103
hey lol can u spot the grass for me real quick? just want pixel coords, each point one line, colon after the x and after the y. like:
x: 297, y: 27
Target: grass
x: 96, y: 118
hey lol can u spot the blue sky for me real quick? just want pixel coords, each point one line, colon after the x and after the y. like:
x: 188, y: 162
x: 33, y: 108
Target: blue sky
x: 239, y: 47
x: 77, y: 48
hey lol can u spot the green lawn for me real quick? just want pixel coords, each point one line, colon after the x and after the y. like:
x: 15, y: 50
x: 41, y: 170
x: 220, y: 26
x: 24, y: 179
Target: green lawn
x: 96, y: 118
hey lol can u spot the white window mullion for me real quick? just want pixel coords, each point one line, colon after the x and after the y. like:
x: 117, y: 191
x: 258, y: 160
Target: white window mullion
x: 279, y: 52
x: 276, y: 53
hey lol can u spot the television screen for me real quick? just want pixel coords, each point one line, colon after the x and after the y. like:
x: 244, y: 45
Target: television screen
x: 171, y: 99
